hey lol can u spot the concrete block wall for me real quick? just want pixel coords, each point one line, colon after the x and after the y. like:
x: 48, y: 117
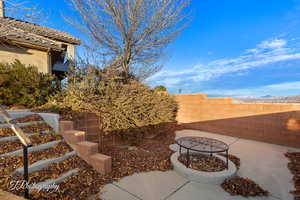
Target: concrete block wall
x: 267, y: 122
x: 90, y: 124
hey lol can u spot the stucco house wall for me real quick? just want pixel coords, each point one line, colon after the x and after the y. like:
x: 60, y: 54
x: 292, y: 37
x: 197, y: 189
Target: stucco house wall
x: 37, y: 58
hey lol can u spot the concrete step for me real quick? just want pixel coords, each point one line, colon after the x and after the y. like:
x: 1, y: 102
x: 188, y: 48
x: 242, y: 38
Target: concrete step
x: 32, y: 149
x: 21, y: 124
x: 12, y: 138
x: 17, y: 114
x: 44, y: 163
x: 53, y: 182
x: 50, y: 118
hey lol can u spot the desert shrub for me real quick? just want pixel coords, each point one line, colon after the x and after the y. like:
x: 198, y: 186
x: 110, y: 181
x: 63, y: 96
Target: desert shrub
x: 65, y: 112
x: 25, y: 86
x: 160, y: 88
x: 124, y: 107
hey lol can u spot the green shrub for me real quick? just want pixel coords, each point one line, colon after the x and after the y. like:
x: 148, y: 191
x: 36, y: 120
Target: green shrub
x: 25, y: 86
x: 122, y: 106
x: 160, y: 88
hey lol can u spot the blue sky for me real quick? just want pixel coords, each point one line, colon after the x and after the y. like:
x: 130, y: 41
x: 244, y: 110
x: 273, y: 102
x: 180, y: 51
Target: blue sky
x: 231, y: 48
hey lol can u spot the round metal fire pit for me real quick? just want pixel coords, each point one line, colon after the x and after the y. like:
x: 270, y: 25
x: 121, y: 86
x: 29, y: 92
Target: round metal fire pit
x: 203, y: 145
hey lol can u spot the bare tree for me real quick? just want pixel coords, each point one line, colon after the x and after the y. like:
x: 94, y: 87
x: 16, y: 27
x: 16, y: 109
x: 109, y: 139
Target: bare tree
x: 131, y: 35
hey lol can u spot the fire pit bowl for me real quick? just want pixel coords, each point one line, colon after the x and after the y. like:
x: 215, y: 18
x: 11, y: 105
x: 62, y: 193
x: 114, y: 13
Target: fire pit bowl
x: 202, y: 176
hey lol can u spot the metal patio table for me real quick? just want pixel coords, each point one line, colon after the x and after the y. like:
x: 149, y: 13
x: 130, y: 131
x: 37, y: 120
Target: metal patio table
x: 202, y: 144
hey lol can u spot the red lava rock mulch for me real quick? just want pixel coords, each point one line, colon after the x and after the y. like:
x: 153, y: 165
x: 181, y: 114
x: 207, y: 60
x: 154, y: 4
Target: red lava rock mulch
x: 88, y: 182
x: 294, y: 167
x: 244, y: 187
x: 80, y: 186
x: 236, y: 160
x: 37, y: 139
x: 28, y: 118
x: 10, y: 163
x: 53, y: 170
x: 34, y: 128
x: 203, y: 162
x: 149, y: 155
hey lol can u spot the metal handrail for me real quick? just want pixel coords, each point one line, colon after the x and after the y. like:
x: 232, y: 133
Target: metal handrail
x: 25, y: 142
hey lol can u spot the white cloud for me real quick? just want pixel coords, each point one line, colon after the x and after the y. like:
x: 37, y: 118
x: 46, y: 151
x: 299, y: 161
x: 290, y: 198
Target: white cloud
x: 170, y: 81
x: 266, y: 52
x: 276, y: 43
x: 286, y: 88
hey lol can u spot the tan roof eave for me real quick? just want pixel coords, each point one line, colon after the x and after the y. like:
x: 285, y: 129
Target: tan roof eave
x: 33, y: 46
x: 68, y: 42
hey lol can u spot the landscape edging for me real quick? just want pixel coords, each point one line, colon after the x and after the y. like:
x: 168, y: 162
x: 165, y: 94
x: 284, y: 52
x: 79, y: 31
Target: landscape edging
x: 88, y: 151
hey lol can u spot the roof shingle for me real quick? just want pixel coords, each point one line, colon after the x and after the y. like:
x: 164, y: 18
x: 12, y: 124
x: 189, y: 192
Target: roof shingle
x: 21, y: 31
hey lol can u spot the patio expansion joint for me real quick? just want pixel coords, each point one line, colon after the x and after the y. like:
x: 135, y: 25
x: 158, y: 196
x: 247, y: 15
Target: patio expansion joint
x: 235, y: 141
x: 275, y: 197
x: 127, y: 191
x: 172, y: 193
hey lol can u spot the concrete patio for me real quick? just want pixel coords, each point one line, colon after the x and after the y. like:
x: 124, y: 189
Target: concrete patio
x: 262, y: 162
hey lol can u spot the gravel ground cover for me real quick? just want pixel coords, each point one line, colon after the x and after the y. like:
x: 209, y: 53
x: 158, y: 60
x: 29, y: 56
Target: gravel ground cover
x: 294, y: 167
x: 204, y: 162
x: 36, y: 139
x: 9, y: 164
x: 34, y: 128
x: 244, y: 187
x: 149, y: 155
x: 53, y: 170
x: 28, y: 118
x: 232, y: 158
